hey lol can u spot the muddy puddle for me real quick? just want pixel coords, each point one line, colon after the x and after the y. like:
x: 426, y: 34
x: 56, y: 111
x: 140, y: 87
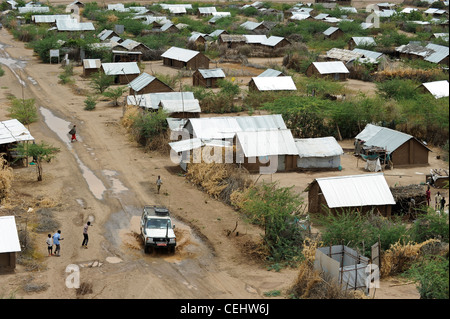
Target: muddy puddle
x: 189, y: 246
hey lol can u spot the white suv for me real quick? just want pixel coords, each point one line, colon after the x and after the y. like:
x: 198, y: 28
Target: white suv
x: 157, y: 229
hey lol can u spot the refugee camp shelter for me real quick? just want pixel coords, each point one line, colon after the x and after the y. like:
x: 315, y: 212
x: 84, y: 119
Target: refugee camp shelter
x: 12, y: 132
x: 181, y: 108
x: 146, y: 83
x: 273, y: 149
x: 91, y: 66
x: 9, y: 242
x: 184, y: 58
x: 276, y: 83
x: 403, y: 149
x: 208, y: 128
x: 207, y: 77
x: 361, y: 41
x: 123, y: 72
x: 359, y: 192
x: 318, y: 153
x: 333, y: 33
x: 333, y: 69
x: 151, y: 101
x: 438, y: 89
x: 126, y: 56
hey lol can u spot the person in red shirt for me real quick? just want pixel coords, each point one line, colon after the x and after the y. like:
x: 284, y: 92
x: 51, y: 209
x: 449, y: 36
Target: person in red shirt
x: 428, y: 193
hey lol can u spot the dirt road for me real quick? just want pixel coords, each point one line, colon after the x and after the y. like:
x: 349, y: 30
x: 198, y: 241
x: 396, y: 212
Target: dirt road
x: 106, y: 178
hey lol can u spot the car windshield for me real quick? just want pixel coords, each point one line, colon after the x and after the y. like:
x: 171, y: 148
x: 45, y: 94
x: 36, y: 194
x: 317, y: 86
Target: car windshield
x: 158, y: 223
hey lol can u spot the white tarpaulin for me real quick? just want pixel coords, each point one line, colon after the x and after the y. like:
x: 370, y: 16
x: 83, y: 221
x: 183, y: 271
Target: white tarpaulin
x: 373, y: 166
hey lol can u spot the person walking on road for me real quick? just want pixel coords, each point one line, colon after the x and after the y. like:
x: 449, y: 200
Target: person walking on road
x: 73, y: 132
x: 437, y: 200
x: 85, y: 235
x: 56, y: 239
x: 49, y: 242
x: 158, y: 184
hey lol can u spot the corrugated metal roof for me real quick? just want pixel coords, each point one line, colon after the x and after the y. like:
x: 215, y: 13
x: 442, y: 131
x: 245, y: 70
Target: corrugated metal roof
x: 92, y: 63
x: 364, y: 41
x: 250, y: 25
x: 120, y: 68
x: 321, y: 16
x: 331, y: 67
x: 216, y: 33
x: 300, y: 16
x: 151, y: 100
x: 9, y: 238
x: 167, y: 6
x: 129, y: 44
x: 176, y: 10
x: 272, y: 41
x: 33, y: 9
x: 270, y: 73
x: 74, y: 25
x: 368, y: 53
x: 438, y: 89
x: 255, y: 38
x: 166, y: 26
x: 195, y: 35
x: 318, y: 147
x: 206, y: 10
x: 267, y: 143
x: 221, y: 14
x: 186, y: 145
x: 440, y: 53
x: 356, y: 190
x: 226, y: 127
x: 179, y: 106
x: 383, y: 137
x: 13, y: 131
x: 141, y: 81
x: 179, y: 54
x: 49, y: 18
x: 282, y: 83
x: 366, y: 25
x: 105, y: 34
x: 212, y: 73
x: 330, y: 31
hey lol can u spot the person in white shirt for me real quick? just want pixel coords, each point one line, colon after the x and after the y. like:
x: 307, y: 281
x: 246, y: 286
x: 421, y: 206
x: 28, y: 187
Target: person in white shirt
x: 49, y: 242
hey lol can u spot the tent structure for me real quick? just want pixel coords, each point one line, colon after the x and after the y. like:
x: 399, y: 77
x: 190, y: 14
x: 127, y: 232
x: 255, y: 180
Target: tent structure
x: 11, y: 133
x: 322, y: 152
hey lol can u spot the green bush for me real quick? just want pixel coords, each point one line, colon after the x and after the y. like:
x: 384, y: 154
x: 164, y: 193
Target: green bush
x: 274, y: 209
x: 147, y: 125
x: 24, y: 110
x: 361, y: 231
x: 90, y: 102
x: 432, y: 275
x: 430, y: 226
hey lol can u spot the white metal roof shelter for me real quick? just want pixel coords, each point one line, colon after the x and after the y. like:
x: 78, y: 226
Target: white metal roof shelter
x: 179, y: 106
x: 9, y: 238
x: 179, y: 54
x: 13, y: 131
x: 356, y: 190
x: 226, y: 127
x: 152, y: 100
x: 121, y: 68
x: 268, y: 83
x: 438, y: 89
x: 267, y: 143
x: 331, y: 67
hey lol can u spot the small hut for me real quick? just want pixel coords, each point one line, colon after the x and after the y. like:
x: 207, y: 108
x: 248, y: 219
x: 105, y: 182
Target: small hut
x: 207, y: 77
x: 184, y: 58
x: 123, y: 72
x: 91, y: 66
x: 334, y: 69
x: 9, y: 242
x: 146, y: 83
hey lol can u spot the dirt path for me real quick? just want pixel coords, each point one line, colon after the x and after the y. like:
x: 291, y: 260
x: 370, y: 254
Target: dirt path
x: 107, y: 178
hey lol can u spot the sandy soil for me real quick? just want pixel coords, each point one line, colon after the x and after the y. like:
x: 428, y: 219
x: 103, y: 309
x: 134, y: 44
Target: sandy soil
x: 107, y: 178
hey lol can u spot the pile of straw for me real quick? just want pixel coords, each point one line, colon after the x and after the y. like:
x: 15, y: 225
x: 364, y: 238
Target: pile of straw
x: 399, y: 257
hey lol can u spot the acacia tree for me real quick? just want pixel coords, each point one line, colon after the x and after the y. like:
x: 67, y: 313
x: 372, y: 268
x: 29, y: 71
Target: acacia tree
x: 40, y: 152
x: 101, y: 81
x: 24, y: 110
x: 115, y: 94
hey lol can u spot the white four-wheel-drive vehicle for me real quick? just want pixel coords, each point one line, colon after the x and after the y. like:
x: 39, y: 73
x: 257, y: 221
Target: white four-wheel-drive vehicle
x: 157, y: 229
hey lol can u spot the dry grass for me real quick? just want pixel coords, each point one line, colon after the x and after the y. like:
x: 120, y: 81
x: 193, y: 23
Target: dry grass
x: 408, y: 73
x: 6, y: 178
x: 400, y: 256
x: 220, y: 181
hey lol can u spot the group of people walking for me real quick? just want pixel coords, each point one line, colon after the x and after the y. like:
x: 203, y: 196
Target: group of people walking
x: 55, y: 241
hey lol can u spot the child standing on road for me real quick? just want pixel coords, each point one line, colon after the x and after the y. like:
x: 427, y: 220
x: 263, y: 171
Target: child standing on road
x: 49, y: 245
x: 158, y: 184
